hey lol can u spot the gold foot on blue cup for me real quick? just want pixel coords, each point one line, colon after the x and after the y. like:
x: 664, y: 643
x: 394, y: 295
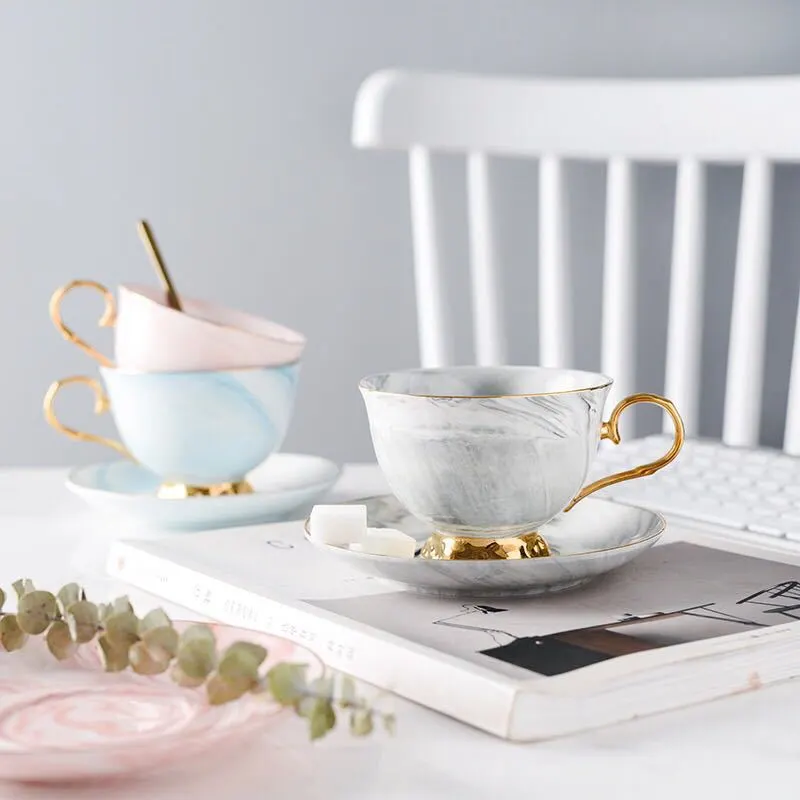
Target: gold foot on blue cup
x: 180, y: 491
x: 452, y: 547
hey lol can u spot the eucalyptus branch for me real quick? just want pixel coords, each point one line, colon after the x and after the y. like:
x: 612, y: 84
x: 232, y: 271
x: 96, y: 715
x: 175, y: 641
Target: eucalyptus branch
x: 151, y: 646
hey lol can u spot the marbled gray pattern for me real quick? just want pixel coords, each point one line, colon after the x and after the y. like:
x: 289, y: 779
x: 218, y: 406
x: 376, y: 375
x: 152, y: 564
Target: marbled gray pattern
x: 480, y: 465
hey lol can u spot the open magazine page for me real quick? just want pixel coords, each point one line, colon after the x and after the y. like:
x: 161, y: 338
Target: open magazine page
x: 676, y: 593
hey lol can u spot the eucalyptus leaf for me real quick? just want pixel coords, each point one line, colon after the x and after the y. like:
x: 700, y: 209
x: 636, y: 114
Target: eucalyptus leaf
x: 27, y: 586
x: 59, y: 640
x: 67, y: 595
x: 19, y: 588
x: 220, y: 690
x: 115, y: 657
x: 104, y: 610
x: 305, y: 706
x: 122, y: 605
x: 122, y: 628
x: 239, y: 664
x: 145, y: 661
x: 197, y: 658
x: 347, y: 692
x: 322, y: 718
x: 182, y: 679
x: 2, y: 598
x: 198, y: 632
x: 255, y: 651
x: 154, y: 619
x: 12, y: 637
x: 161, y: 640
x: 35, y: 611
x: 83, y: 619
x: 361, y: 723
x: 287, y: 682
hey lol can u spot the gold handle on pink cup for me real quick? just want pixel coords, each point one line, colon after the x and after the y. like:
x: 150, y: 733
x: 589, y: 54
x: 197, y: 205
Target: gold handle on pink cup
x: 101, y: 405
x: 107, y: 320
x: 610, y: 430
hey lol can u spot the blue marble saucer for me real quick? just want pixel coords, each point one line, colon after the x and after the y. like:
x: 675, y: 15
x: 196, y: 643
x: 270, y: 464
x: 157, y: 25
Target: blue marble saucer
x: 283, y: 484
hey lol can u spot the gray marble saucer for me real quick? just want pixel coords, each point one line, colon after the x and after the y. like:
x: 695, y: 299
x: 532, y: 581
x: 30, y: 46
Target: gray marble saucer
x: 595, y: 537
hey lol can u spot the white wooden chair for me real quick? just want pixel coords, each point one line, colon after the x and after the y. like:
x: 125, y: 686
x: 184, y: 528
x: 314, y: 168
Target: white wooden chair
x: 752, y: 121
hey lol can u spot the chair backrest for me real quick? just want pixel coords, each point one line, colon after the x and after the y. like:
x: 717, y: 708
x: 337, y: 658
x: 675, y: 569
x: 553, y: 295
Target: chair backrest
x: 749, y: 121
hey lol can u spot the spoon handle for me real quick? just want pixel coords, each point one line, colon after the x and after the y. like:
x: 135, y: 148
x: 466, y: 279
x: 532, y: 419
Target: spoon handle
x: 151, y: 246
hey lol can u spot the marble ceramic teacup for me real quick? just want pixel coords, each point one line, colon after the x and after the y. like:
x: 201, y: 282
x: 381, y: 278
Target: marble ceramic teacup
x: 150, y: 336
x: 484, y: 454
x: 199, y: 432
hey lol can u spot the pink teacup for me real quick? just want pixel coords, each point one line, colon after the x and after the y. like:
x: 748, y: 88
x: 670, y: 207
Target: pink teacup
x: 150, y: 336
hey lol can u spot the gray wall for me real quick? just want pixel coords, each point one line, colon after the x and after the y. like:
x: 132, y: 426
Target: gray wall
x: 227, y: 124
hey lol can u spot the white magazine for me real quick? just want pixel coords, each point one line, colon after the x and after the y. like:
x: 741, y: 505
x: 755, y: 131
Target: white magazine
x: 682, y: 624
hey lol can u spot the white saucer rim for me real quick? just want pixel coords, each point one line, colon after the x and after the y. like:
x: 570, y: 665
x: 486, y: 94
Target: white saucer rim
x: 84, y: 489
x: 659, y: 522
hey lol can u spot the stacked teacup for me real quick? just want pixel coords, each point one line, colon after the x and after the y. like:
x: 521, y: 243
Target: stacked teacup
x: 201, y: 394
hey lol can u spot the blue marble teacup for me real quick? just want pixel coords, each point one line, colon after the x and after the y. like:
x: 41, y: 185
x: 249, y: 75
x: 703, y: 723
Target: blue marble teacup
x: 199, y: 432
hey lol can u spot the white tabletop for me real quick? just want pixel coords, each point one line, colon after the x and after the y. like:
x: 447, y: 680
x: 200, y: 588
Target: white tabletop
x: 744, y: 746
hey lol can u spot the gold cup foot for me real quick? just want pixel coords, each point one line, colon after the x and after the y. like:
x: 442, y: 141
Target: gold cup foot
x: 180, y: 491
x: 450, y: 547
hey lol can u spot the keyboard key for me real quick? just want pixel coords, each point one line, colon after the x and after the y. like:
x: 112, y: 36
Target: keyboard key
x: 714, y: 513
x: 792, y: 528
x: 760, y: 456
x: 738, y: 511
x: 751, y: 468
x: 700, y: 511
x: 771, y: 526
x: 722, y: 488
x: 780, y: 500
x: 787, y: 471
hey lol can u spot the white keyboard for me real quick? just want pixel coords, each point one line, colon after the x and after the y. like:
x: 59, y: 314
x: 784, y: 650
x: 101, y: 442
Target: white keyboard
x: 752, y: 493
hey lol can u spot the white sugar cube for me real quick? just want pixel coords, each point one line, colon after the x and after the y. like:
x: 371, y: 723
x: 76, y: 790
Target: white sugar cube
x: 386, y: 542
x: 338, y: 525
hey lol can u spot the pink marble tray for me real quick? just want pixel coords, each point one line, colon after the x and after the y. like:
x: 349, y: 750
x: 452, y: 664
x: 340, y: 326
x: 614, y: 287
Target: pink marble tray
x: 72, y: 721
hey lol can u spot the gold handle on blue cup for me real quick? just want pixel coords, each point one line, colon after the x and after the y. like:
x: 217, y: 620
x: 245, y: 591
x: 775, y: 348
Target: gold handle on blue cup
x: 107, y: 320
x: 610, y: 431
x: 101, y: 405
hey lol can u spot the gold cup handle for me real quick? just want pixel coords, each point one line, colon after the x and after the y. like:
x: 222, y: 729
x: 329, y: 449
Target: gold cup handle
x: 107, y: 320
x: 610, y: 430
x: 101, y: 405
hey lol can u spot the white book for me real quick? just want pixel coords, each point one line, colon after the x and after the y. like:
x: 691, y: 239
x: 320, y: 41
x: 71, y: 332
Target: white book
x: 682, y: 624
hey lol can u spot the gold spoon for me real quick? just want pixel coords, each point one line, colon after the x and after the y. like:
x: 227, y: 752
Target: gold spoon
x: 149, y: 242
